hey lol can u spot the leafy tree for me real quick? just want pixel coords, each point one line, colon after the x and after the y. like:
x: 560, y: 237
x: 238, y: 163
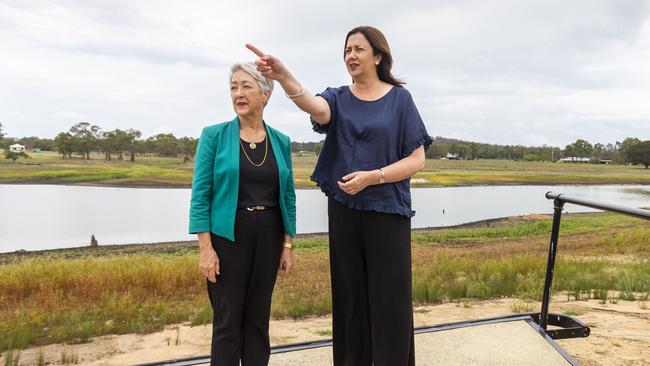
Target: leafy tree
x: 117, y: 142
x: 535, y: 157
x: 64, y: 144
x: 34, y: 142
x: 474, y: 151
x: 609, y: 152
x: 436, y: 151
x: 302, y: 146
x: 123, y: 142
x: 461, y: 149
x: 132, y: 141
x: 15, y: 155
x: 580, y: 149
x: 187, y: 147
x: 86, y: 138
x: 640, y: 153
x: 626, y: 148
x: 110, y: 144
x: 164, y: 144
x: 597, y: 152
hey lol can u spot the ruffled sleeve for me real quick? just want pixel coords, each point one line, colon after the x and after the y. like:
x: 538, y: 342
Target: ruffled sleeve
x: 330, y: 97
x: 414, y: 132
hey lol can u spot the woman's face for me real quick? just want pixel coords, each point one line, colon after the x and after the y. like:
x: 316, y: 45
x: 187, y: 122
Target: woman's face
x: 247, y: 97
x: 359, y: 58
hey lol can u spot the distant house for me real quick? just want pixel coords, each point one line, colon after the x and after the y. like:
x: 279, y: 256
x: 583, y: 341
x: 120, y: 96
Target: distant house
x: 17, y: 148
x: 451, y: 156
x: 36, y: 150
x: 574, y: 159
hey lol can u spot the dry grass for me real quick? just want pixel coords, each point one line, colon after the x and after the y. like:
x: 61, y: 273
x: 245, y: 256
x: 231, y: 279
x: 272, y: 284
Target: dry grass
x: 73, y: 295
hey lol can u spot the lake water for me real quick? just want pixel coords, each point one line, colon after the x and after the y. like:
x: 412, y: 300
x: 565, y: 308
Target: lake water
x: 34, y: 217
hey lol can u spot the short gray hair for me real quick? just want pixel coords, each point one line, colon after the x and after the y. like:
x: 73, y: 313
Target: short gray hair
x: 265, y: 84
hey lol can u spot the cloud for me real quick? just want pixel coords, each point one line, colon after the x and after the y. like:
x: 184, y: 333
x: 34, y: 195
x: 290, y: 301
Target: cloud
x: 510, y: 72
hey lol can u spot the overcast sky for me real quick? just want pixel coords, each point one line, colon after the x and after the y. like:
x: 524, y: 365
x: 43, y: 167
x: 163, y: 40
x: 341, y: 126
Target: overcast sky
x: 508, y: 72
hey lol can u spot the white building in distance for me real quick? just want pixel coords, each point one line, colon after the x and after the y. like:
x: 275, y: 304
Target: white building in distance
x: 17, y: 148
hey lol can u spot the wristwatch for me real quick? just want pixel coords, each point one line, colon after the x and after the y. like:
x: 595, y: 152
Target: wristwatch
x: 288, y: 245
x: 382, y: 177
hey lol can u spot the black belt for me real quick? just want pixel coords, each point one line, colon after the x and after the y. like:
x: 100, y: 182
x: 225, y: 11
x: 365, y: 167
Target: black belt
x: 256, y: 208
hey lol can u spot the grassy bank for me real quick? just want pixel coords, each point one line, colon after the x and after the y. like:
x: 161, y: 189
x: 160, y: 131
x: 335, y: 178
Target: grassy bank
x: 49, y: 168
x: 63, y: 297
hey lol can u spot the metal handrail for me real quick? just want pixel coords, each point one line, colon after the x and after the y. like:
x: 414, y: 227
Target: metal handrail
x: 559, y: 200
x: 631, y: 211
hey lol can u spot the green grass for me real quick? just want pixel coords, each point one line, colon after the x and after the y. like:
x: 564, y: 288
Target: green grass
x: 575, y: 312
x: 505, y: 172
x: 48, y: 167
x: 64, y: 298
x: 576, y: 225
x: 449, y: 277
x: 68, y: 357
x: 11, y: 358
x: 324, y: 333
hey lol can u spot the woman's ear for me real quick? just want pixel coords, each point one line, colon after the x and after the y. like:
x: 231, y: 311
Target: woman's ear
x: 266, y: 95
x: 377, y: 59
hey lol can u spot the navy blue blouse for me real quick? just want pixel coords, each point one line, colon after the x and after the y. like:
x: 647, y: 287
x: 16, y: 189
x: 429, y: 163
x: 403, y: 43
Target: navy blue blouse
x: 368, y: 135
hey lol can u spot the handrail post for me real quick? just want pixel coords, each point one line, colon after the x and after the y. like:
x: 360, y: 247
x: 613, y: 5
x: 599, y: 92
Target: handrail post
x: 550, y: 265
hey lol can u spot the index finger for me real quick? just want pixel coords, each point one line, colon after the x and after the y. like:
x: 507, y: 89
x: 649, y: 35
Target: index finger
x: 255, y: 50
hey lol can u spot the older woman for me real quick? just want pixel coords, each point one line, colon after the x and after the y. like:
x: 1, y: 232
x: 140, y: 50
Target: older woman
x: 243, y: 210
x: 375, y: 142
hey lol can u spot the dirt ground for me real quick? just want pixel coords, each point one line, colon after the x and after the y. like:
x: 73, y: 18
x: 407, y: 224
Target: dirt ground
x: 620, y: 334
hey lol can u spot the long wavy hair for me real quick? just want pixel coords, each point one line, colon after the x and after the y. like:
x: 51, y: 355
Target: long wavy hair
x: 379, y: 46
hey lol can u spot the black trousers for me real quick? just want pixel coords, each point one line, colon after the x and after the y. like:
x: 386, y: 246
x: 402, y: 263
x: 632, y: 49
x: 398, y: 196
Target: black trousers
x: 241, y: 298
x: 372, y: 310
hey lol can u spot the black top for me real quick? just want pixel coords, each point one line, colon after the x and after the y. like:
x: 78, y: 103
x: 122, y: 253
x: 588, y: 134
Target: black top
x: 258, y: 185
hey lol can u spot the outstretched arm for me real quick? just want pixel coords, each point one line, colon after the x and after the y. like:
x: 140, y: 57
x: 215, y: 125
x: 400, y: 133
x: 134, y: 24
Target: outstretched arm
x: 272, y: 68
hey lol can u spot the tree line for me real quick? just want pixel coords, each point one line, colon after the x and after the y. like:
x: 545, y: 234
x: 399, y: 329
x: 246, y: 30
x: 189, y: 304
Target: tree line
x: 84, y: 138
x: 629, y: 151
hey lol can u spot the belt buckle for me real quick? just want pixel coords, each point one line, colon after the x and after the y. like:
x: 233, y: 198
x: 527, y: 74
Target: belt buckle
x: 256, y: 208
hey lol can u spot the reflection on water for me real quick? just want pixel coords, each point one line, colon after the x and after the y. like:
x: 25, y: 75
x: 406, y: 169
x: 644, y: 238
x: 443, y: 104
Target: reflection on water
x: 46, y: 217
x: 637, y: 191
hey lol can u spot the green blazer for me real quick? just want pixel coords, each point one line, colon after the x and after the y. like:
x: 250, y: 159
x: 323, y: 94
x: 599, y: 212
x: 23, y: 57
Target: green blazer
x: 215, y: 184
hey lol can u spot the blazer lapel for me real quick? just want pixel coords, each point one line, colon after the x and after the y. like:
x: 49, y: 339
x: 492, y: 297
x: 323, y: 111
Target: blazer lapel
x: 233, y: 147
x: 279, y: 157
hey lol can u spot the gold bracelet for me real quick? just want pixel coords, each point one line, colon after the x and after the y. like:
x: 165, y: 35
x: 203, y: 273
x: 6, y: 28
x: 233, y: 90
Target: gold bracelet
x: 288, y: 245
x: 294, y: 96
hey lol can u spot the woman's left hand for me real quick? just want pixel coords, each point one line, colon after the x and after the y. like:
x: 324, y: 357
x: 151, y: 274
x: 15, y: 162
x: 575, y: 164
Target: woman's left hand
x: 286, y: 260
x: 356, y: 182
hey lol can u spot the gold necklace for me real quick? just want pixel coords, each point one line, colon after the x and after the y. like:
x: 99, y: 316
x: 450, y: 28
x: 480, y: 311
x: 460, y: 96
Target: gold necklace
x: 266, y: 150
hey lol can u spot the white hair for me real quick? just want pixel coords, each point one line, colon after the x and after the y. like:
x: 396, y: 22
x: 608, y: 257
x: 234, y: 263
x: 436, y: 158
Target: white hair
x: 264, y: 83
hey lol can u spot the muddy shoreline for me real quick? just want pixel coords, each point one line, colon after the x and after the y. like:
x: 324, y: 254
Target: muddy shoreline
x: 173, y: 247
